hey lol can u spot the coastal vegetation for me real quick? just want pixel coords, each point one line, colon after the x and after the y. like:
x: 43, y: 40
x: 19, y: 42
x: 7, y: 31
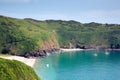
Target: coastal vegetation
x: 15, y: 70
x: 28, y: 36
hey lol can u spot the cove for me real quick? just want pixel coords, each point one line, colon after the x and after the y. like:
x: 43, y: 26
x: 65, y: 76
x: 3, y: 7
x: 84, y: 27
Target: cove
x: 80, y: 65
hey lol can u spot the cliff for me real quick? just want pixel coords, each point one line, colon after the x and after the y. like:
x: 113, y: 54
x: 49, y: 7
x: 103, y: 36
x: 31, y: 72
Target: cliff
x: 51, y: 43
x: 47, y: 47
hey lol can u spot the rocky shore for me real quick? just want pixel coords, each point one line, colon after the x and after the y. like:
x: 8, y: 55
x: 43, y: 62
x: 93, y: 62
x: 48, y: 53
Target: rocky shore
x: 43, y: 53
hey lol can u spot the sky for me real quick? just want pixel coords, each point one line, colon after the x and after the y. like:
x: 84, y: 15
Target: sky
x: 84, y: 11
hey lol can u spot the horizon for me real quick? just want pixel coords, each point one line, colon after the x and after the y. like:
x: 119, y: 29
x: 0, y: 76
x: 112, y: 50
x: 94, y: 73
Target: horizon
x: 58, y: 20
x: 83, y: 11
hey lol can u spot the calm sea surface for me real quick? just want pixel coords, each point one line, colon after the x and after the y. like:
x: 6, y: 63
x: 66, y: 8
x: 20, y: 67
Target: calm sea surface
x: 80, y: 65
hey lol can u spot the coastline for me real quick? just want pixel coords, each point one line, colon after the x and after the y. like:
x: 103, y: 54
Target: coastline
x: 27, y: 61
x: 78, y: 49
x: 69, y: 50
x: 31, y: 61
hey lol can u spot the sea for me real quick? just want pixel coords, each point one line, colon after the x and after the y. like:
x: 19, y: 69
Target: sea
x: 80, y: 65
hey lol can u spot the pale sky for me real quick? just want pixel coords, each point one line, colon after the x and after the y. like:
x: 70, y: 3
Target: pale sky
x: 85, y: 11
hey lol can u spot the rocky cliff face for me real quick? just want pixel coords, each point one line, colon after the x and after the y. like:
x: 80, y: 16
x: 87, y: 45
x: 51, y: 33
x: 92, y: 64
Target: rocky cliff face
x: 52, y: 43
x: 47, y: 47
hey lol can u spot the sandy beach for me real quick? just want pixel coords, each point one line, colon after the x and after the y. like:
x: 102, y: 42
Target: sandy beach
x: 28, y: 61
x: 69, y: 50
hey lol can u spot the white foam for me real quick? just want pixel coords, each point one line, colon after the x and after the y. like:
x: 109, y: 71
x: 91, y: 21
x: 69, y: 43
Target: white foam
x: 47, y: 65
x: 107, y: 53
x: 95, y: 54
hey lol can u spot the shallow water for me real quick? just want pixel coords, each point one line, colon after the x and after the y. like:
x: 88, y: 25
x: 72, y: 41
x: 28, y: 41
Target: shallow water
x: 80, y: 65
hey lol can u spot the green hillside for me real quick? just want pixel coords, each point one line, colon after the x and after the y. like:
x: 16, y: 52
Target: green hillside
x: 25, y: 36
x: 15, y: 70
x: 21, y: 37
x: 88, y: 34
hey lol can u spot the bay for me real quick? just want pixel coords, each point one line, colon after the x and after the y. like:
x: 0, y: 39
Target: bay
x: 80, y: 65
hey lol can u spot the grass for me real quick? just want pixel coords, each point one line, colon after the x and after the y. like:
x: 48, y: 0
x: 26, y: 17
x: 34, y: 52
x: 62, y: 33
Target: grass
x: 15, y: 70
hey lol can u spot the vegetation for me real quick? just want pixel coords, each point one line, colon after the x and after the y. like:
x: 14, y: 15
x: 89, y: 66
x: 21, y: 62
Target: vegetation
x: 15, y: 70
x: 24, y: 36
x: 86, y: 35
x: 21, y: 37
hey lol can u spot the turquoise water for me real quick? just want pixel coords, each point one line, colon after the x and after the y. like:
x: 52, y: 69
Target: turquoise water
x: 81, y: 65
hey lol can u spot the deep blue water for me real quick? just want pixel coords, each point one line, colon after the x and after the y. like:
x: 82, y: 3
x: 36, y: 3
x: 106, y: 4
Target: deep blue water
x: 81, y: 65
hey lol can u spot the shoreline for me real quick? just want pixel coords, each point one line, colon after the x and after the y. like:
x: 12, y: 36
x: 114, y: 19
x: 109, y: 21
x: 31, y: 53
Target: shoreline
x: 78, y: 49
x: 27, y: 61
x: 69, y: 50
x: 32, y: 60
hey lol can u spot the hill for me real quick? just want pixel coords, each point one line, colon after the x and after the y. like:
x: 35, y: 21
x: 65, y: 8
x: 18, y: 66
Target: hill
x: 34, y: 37
x: 15, y: 70
x: 22, y: 37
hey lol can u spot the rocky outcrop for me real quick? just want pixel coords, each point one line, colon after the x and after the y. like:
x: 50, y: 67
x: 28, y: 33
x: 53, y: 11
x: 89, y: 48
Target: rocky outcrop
x: 49, y: 44
x: 47, y: 47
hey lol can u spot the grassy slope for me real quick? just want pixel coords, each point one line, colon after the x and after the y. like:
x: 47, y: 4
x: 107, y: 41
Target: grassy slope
x: 85, y: 34
x: 15, y: 70
x: 23, y: 36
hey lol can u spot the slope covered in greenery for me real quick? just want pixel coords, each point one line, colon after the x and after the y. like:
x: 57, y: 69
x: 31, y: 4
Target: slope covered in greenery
x: 88, y: 34
x: 21, y: 37
x: 15, y: 70
x: 24, y: 36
